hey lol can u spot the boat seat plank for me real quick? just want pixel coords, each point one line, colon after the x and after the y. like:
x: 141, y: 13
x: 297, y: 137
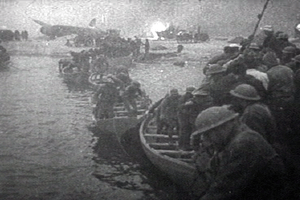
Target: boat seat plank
x: 163, y: 146
x: 176, y: 153
x: 187, y: 160
x: 159, y: 135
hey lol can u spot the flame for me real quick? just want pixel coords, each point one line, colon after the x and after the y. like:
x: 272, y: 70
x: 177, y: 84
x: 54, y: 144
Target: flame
x: 157, y: 27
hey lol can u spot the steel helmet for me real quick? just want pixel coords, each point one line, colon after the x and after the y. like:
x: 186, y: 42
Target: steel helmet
x: 215, y: 69
x: 202, y: 91
x: 283, y: 36
x: 289, y: 49
x: 213, y: 117
x: 190, y: 89
x: 136, y: 83
x: 174, y: 91
x: 245, y: 91
x: 296, y: 59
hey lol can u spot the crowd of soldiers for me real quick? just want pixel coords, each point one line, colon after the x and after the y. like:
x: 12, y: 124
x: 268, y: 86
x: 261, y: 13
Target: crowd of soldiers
x: 243, y: 121
x: 117, y: 88
x: 96, y: 59
x: 114, y: 83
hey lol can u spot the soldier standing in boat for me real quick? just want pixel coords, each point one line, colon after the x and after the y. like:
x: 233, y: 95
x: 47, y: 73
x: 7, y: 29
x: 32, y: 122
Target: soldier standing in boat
x: 168, y: 113
x: 129, y: 96
x: 107, y: 95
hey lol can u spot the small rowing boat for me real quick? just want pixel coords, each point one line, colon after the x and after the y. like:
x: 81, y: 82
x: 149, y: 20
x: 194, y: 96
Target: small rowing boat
x: 177, y: 164
x: 123, y: 121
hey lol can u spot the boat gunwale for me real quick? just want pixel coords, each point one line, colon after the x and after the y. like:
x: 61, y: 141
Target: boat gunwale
x: 154, y: 151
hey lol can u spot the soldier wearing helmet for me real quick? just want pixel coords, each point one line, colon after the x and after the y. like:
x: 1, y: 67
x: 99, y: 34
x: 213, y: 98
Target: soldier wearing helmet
x: 296, y: 107
x: 188, y: 113
x: 281, y: 91
x: 130, y: 95
x: 282, y: 42
x: 106, y: 95
x: 168, y: 113
x: 219, y: 84
x: 183, y: 114
x: 270, y: 41
x: 288, y: 53
x: 255, y: 114
x: 239, y: 163
x: 229, y: 52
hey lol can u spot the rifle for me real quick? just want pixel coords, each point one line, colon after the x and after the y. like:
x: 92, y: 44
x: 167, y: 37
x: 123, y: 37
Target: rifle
x: 258, y: 22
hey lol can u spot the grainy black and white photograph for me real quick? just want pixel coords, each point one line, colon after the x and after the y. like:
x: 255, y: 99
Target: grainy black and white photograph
x: 149, y: 99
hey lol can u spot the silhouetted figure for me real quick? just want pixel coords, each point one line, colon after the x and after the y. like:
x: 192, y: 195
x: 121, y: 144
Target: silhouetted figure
x: 17, y: 35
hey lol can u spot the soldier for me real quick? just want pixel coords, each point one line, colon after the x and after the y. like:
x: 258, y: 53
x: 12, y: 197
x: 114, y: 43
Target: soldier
x: 188, y: 113
x: 288, y: 53
x: 281, y: 91
x: 254, y: 113
x: 229, y: 53
x: 183, y: 114
x: 147, y: 47
x: 270, y: 42
x: 129, y: 96
x: 168, y: 113
x: 17, y: 35
x: 240, y: 163
x: 296, y: 107
x: 26, y: 35
x: 106, y: 94
x: 220, y: 84
x: 254, y: 69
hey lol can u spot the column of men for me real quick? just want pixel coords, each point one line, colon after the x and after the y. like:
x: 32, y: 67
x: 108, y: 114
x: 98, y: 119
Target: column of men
x: 243, y: 120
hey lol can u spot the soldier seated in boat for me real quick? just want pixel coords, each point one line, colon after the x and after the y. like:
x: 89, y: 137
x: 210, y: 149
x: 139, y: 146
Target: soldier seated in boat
x: 239, y: 162
x: 100, y: 65
x: 129, y: 96
x: 106, y: 94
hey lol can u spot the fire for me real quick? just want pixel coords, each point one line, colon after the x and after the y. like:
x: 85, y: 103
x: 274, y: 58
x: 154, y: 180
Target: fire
x: 157, y: 27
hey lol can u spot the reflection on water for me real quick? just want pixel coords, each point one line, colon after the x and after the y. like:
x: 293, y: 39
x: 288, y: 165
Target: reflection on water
x: 47, y: 151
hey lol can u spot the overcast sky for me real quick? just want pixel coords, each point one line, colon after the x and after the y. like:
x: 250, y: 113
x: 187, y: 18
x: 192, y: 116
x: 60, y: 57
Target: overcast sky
x: 135, y: 16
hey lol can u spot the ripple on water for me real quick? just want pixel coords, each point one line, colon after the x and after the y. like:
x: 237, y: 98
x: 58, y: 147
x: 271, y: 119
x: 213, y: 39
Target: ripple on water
x: 47, y: 152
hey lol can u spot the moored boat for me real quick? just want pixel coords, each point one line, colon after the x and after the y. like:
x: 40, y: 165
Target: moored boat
x: 177, y: 164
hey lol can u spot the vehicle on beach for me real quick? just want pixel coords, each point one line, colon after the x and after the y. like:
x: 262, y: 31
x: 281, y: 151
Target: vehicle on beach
x: 184, y: 36
x: 177, y: 164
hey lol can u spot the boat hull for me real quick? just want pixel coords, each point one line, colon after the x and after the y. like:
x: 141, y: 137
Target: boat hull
x: 118, y: 126
x: 182, y: 173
